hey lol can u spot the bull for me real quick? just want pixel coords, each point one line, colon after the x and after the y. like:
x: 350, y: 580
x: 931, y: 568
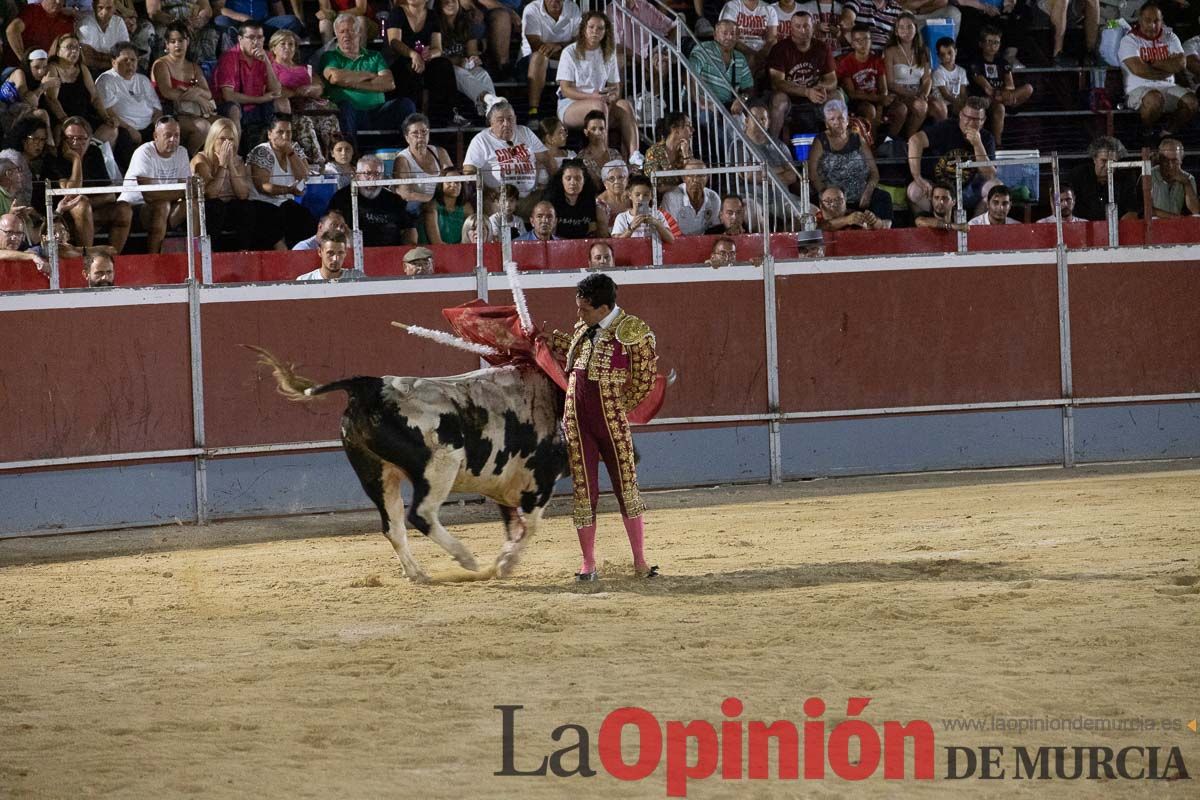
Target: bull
x: 493, y: 432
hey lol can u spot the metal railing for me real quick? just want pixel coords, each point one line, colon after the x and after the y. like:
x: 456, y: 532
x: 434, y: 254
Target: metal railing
x: 960, y: 214
x: 1112, y: 211
x: 661, y: 77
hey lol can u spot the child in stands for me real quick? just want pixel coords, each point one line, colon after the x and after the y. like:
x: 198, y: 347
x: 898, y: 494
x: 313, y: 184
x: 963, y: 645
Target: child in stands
x: 992, y: 77
x: 949, y: 79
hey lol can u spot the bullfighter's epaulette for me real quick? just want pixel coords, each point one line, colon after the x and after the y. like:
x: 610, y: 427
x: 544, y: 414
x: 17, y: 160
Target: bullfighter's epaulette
x: 631, y: 330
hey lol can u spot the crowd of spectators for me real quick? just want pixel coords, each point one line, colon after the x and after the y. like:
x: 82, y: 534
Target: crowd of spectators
x: 253, y: 100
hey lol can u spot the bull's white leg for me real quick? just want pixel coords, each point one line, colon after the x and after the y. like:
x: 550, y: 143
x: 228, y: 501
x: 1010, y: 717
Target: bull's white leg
x: 441, y: 472
x: 511, y: 551
x: 392, y: 479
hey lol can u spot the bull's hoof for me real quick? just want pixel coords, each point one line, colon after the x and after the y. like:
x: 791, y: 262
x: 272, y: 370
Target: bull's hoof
x: 418, y: 577
x: 468, y: 562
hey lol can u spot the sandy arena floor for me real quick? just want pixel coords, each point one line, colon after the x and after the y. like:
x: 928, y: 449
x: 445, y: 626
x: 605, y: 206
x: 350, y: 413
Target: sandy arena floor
x: 288, y: 658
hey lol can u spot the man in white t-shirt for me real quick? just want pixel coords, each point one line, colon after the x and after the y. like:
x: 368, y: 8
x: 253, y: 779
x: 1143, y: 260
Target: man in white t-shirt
x: 506, y: 152
x: 331, y: 247
x: 999, y: 202
x: 757, y: 29
x: 1066, y: 205
x: 695, y: 207
x: 547, y: 26
x: 98, y: 33
x: 159, y: 161
x: 1150, y: 56
x: 130, y: 96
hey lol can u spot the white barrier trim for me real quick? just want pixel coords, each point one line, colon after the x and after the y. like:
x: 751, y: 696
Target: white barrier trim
x: 42, y: 300
x: 313, y: 290
x: 1125, y: 255
x: 630, y: 276
x: 891, y: 263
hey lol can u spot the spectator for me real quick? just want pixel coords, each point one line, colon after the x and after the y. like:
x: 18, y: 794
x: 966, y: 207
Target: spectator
x: 332, y: 251
x: 554, y: 136
x: 588, y: 80
x: 720, y: 66
x: 1172, y: 190
x: 342, y: 158
x: 30, y: 91
x: 596, y: 153
x: 183, y: 88
x: 277, y: 174
x: 757, y: 30
x: 141, y: 32
x: 999, y: 202
x: 879, y: 15
x: 99, y: 32
x: 329, y: 10
x: 639, y: 220
x: 695, y: 207
x: 332, y: 221
x: 1150, y: 56
x: 196, y: 14
x: 314, y: 121
x: 834, y: 216
x: 543, y: 223
x: 14, y: 243
x: 842, y: 158
x: 99, y: 267
x: 502, y: 17
x: 1090, y: 181
x: 949, y: 80
x: 505, y: 215
x: 909, y: 76
x: 802, y: 78
x: 923, y: 10
x: 616, y: 184
x: 724, y: 253
x: 732, y: 218
x: 574, y: 201
x: 933, y: 153
x: 418, y: 261
x: 992, y: 77
x: 419, y: 160
x: 671, y: 151
x: 827, y: 24
x: 83, y: 161
x: 246, y: 79
x: 1066, y: 205
x: 382, y: 215
x: 10, y: 184
x: 421, y: 70
x: 228, y: 212
x: 129, y: 97
x: 35, y: 27
x: 767, y: 150
x: 155, y: 162
x: 356, y: 79
x: 942, y: 215
x: 547, y: 27
x: 444, y: 214
x: 76, y: 93
x: 784, y: 11
x: 863, y: 76
x: 1011, y: 17
x: 461, y: 47
x: 1073, y: 11
x: 268, y: 15
x: 506, y: 152
x: 473, y: 228
x: 26, y: 147
x: 600, y: 256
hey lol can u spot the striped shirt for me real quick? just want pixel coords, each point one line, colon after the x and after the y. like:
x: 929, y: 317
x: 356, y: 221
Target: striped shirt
x: 881, y: 20
x: 716, y: 74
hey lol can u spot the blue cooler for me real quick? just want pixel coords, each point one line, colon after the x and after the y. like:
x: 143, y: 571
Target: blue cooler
x: 801, y: 144
x: 937, y: 29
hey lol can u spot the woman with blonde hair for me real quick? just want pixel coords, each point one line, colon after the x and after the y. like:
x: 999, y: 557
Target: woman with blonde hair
x: 184, y: 90
x: 314, y: 118
x: 228, y: 213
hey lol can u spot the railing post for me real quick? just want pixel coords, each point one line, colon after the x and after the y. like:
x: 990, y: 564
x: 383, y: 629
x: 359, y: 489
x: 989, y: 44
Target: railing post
x: 960, y: 214
x: 206, y: 272
x: 1110, y: 212
x: 359, y: 256
x: 1064, y: 323
x: 50, y: 243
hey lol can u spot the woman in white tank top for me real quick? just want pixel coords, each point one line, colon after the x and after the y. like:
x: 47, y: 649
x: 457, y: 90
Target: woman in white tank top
x: 908, y: 73
x: 419, y: 160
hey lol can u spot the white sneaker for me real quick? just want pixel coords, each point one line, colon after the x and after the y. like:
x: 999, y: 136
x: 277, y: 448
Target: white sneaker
x: 636, y: 159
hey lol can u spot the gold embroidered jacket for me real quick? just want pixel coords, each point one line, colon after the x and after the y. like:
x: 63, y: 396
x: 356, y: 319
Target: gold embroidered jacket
x: 621, y: 359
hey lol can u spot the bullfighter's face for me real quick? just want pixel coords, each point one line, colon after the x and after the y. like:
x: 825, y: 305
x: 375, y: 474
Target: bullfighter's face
x: 590, y: 315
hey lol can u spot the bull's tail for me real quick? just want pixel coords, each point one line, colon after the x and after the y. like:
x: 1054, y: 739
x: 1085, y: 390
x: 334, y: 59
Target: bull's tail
x: 296, y: 387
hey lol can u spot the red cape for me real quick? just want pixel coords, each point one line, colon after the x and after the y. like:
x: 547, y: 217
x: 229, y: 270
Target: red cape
x: 500, y: 327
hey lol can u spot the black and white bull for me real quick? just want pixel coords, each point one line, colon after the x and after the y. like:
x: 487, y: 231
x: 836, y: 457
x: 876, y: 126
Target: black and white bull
x: 494, y: 432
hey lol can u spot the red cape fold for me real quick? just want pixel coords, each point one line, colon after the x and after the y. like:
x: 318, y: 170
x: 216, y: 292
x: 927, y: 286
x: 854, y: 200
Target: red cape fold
x: 499, y: 327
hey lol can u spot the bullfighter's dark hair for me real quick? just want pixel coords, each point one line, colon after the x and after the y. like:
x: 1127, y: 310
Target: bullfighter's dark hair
x: 598, y: 290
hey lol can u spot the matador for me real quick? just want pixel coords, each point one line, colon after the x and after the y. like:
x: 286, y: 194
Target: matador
x: 610, y: 363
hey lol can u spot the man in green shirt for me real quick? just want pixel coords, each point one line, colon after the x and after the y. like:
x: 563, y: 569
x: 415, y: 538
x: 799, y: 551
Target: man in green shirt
x: 722, y: 68
x: 356, y: 79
